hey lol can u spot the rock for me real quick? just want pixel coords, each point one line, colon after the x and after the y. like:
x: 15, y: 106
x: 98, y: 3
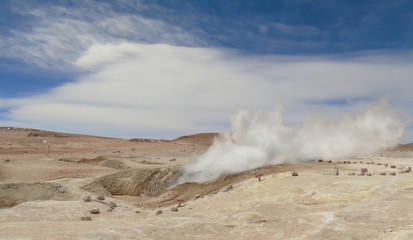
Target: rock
x: 174, y: 209
x: 386, y: 165
x: 329, y: 161
x: 159, y: 212
x: 196, y: 197
x: 393, y: 173
x: 137, y: 211
x: 351, y: 173
x: 112, y: 204
x: 392, y: 166
x: 94, y: 211
x: 383, y: 173
x: 294, y: 174
x: 87, y: 198
x: 110, y: 209
x: 360, y: 174
x: 7, y: 160
x: 101, y: 198
x: 320, y: 160
x: 227, y: 188
x: 369, y: 174
x: 361, y: 161
x: 409, y: 169
x: 86, y: 218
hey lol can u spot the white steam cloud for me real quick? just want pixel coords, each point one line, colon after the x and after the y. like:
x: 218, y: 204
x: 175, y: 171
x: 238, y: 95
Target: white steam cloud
x: 263, y: 139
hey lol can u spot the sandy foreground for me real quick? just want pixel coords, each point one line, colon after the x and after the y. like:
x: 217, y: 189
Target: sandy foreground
x: 44, y: 177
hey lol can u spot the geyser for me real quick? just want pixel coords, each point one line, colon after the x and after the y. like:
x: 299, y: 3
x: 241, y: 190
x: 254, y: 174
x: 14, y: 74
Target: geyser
x: 263, y: 139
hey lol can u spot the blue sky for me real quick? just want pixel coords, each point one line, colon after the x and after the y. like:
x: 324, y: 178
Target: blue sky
x: 170, y: 68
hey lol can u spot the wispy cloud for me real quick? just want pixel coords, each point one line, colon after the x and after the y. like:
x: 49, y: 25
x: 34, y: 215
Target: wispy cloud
x: 59, y: 34
x: 299, y: 31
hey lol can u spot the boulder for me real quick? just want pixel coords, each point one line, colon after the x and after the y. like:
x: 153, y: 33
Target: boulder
x: 87, y: 198
x: 227, y: 188
x: 94, y: 211
x: 112, y: 204
x: 294, y: 174
x: 101, y: 198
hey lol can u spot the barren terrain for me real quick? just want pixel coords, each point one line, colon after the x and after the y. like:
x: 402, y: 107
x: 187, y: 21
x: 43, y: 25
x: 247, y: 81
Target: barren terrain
x: 44, y: 177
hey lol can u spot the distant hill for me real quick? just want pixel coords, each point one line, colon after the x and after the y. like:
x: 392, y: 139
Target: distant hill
x: 403, y: 147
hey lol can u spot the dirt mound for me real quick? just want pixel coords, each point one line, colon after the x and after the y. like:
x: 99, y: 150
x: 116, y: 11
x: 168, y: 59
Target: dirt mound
x: 136, y: 182
x: 114, y: 164
x: 201, y: 138
x: 95, y: 160
x: 12, y: 194
x: 156, y: 183
x: 188, y: 190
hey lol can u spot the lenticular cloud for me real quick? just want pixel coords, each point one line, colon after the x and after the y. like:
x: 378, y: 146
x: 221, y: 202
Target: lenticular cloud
x: 263, y: 139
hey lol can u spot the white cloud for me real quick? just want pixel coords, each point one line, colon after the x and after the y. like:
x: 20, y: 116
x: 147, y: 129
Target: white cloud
x: 169, y: 90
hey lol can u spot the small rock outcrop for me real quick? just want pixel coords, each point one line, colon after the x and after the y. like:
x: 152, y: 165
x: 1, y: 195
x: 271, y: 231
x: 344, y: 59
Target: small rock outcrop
x: 196, y: 197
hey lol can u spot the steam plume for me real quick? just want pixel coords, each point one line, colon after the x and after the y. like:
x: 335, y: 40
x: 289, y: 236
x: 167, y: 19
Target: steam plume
x: 263, y: 139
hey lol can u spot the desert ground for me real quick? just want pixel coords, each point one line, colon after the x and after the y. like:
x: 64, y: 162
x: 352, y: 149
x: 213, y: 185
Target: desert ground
x: 45, y: 178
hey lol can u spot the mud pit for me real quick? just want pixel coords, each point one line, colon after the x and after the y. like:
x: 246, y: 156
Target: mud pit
x: 41, y: 193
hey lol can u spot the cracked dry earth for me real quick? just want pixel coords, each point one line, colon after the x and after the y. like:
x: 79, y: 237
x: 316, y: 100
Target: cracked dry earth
x: 310, y: 206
